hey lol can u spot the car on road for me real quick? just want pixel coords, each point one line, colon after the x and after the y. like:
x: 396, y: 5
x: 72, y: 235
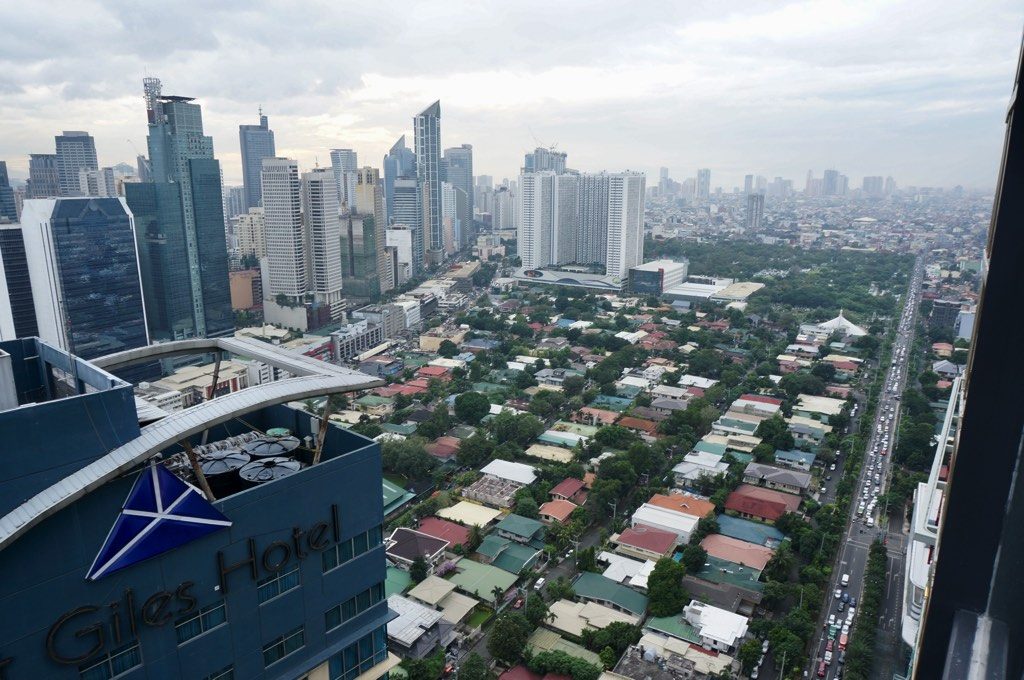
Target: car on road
x: 845, y: 581
x: 831, y: 619
x: 539, y: 584
x: 839, y: 592
x: 764, y: 647
x: 821, y: 669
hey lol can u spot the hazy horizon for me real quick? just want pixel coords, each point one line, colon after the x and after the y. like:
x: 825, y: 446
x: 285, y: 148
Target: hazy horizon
x: 910, y: 89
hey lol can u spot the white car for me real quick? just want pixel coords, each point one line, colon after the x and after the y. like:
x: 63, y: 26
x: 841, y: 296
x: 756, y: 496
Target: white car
x: 839, y: 593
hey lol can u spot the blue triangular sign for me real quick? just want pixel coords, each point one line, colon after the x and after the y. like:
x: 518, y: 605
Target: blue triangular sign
x: 161, y: 513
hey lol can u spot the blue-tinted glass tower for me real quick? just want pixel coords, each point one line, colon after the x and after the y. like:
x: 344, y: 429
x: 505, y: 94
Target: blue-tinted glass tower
x: 8, y: 208
x: 84, y: 271
x: 427, y: 129
x: 180, y: 224
x: 399, y: 163
x: 257, y: 143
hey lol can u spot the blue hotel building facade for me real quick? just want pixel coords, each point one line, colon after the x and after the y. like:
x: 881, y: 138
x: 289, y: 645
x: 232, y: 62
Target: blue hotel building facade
x: 292, y: 588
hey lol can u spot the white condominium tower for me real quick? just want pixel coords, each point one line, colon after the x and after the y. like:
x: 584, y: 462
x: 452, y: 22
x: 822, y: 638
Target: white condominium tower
x: 593, y: 219
x: 345, y: 162
x: 284, y: 234
x: 323, y: 233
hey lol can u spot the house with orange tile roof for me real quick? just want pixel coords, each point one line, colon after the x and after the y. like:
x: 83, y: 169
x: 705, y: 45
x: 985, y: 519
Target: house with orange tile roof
x: 684, y: 503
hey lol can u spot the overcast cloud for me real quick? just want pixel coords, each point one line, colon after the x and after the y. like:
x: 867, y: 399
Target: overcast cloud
x: 916, y: 89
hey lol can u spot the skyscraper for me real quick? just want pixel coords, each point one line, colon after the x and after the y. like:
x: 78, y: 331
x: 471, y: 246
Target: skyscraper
x: 179, y: 219
x: 504, y: 217
x: 250, y: 231
x: 427, y: 129
x: 748, y: 184
x: 84, y: 270
x: 873, y: 186
x: 542, y: 160
x: 257, y: 143
x: 409, y: 213
x: 344, y: 162
x: 534, y: 228
x: 364, y: 240
x: 703, y: 190
x: 323, y: 231
x: 592, y: 239
x: 42, y: 176
x: 755, y: 212
x: 625, y: 241
x: 76, y: 151
x: 459, y: 163
x: 400, y: 162
x: 283, y: 230
x: 8, y: 207
x: 830, y: 183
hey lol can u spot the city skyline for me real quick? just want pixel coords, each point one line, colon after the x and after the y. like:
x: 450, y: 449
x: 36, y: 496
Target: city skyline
x: 836, y: 86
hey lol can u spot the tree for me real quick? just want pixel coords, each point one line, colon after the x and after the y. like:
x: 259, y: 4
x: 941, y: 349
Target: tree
x: 419, y: 569
x: 775, y: 432
x: 586, y: 559
x: 560, y: 589
x: 521, y: 428
x: 608, y: 657
x: 748, y: 654
x: 438, y: 423
x: 508, y: 637
x: 617, y: 635
x: 560, y: 663
x: 471, y: 407
x: 573, y: 385
x: 475, y: 449
x: 447, y: 349
x: 536, y: 610
x: 824, y: 370
x: 665, y: 588
x: 694, y: 557
x: 527, y: 507
x: 408, y: 458
x: 802, y: 383
x: 475, y: 668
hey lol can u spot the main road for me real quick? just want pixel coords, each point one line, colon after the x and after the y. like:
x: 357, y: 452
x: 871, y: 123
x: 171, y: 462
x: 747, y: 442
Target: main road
x: 861, y: 529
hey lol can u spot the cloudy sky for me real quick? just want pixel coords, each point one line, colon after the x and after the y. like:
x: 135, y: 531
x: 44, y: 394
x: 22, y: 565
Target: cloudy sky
x: 916, y: 89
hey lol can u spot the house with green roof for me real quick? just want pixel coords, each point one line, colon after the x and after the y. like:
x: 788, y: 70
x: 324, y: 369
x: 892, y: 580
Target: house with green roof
x: 395, y: 497
x: 672, y: 626
x: 610, y: 403
x: 721, y: 571
x: 480, y: 580
x: 591, y: 587
x: 396, y: 581
x: 507, y: 555
x: 713, y: 448
x: 401, y: 430
x: 521, y: 530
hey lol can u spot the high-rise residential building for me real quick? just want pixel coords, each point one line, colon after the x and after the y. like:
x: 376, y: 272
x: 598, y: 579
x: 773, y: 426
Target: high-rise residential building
x: 830, y: 183
x: 179, y: 218
x: 257, y: 143
x: 370, y: 198
x: 534, y: 229
x: 565, y: 197
x: 43, y: 181
x: 625, y: 242
x: 451, y: 225
x: 234, y: 200
x: 399, y: 239
x: 504, y: 214
x: 748, y: 185
x: 890, y: 186
x: 592, y: 239
x: 102, y: 183
x: 344, y: 163
x: 543, y: 160
x: 323, y: 234
x: 8, y: 206
x: 427, y: 138
x: 874, y: 185
x: 409, y: 213
x: 76, y: 151
x: 284, y: 233
x: 143, y: 170
x: 459, y: 164
x: 17, y: 308
x: 703, y: 187
x: 250, y: 230
x: 755, y: 212
x: 84, y: 271
x: 400, y: 162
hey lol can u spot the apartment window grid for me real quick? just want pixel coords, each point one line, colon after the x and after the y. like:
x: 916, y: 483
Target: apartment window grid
x: 359, y: 657
x: 351, y: 548
x: 113, y: 664
x: 352, y: 607
x: 281, y: 647
x: 205, y: 620
x: 278, y: 584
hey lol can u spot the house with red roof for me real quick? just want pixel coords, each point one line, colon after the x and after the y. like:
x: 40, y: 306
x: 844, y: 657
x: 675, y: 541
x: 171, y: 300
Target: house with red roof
x: 589, y: 415
x: 760, y: 503
x: 639, y: 425
x: 556, y: 511
x: 444, y: 447
x: 644, y: 542
x: 455, y: 534
x: 570, y: 489
x: 436, y: 372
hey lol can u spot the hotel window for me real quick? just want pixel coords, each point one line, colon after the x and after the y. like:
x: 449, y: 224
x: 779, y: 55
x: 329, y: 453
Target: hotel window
x: 353, y: 606
x: 113, y: 664
x: 206, y: 619
x: 226, y: 673
x: 359, y: 657
x: 283, y: 646
x: 281, y: 582
x: 350, y: 548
